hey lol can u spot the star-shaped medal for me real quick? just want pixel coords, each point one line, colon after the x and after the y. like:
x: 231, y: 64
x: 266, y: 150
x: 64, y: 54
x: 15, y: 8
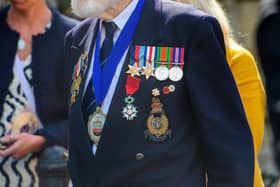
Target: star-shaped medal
x: 133, y: 70
x: 148, y: 71
x: 155, y: 92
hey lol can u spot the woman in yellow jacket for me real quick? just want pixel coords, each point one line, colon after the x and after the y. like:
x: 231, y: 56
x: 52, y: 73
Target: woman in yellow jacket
x: 247, y: 78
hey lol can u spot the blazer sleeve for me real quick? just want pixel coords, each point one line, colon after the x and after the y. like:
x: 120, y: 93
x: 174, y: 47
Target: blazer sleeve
x: 252, y: 93
x: 227, y: 145
x: 56, y: 133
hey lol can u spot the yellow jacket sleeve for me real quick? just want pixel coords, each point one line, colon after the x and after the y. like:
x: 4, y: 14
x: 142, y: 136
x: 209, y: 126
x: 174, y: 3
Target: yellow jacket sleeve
x: 250, y: 86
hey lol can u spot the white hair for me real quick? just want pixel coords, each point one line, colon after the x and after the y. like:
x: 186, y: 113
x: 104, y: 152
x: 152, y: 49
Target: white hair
x: 88, y: 8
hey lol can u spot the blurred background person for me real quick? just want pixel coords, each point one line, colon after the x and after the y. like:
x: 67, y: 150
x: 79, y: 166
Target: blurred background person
x: 34, y: 82
x: 268, y: 41
x: 246, y: 75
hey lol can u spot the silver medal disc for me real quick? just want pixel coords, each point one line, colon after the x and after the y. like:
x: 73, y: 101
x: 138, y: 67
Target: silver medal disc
x: 175, y: 74
x: 95, y: 126
x: 162, y: 73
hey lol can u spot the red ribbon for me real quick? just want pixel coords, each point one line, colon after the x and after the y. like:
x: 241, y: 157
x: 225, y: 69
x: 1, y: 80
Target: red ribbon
x: 132, y: 85
x: 137, y: 54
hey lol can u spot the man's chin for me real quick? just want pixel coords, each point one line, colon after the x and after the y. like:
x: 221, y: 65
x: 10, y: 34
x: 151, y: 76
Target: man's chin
x: 87, y: 9
x: 83, y: 14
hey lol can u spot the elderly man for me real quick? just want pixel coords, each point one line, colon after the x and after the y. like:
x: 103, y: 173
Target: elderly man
x: 148, y: 102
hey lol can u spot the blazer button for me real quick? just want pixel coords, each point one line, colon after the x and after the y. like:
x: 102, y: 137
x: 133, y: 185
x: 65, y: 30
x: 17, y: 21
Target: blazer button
x: 140, y: 156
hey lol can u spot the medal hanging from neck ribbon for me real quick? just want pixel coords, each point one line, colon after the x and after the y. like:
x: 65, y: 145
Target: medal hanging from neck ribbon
x: 131, y: 87
x: 102, y: 77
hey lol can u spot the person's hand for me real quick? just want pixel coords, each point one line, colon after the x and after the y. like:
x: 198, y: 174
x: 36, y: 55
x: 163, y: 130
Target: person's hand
x: 21, y: 145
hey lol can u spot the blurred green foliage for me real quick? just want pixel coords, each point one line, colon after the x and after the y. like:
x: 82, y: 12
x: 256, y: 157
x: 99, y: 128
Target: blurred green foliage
x: 64, y: 6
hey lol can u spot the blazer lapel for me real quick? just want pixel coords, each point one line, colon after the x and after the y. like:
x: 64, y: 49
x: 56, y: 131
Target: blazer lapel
x: 85, y: 47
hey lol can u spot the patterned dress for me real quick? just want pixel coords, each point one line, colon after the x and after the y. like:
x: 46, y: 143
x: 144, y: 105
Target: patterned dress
x: 15, y: 173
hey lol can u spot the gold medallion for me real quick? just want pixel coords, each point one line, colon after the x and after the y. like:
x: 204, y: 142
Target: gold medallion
x: 95, y: 125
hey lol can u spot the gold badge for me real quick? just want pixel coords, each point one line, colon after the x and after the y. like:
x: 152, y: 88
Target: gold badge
x: 75, y: 89
x: 157, y: 123
x: 78, y: 73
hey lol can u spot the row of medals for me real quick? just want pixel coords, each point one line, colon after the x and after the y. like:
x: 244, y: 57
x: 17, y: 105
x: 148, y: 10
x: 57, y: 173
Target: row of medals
x: 157, y: 122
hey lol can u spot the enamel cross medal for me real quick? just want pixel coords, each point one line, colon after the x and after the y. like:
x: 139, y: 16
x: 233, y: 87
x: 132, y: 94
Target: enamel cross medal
x: 131, y: 87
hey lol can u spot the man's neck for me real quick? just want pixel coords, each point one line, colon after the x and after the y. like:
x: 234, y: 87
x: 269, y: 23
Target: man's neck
x: 114, y: 10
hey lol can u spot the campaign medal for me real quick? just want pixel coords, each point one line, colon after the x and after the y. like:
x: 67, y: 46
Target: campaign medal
x: 157, y: 122
x: 141, y: 61
x: 162, y: 73
x: 133, y: 70
x: 148, y: 71
x: 75, y: 89
x: 176, y: 71
x: 79, y: 71
x: 175, y: 74
x: 95, y: 125
x: 132, y: 85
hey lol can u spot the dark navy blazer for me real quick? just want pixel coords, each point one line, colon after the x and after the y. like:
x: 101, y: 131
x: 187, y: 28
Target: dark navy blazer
x: 210, y: 130
x: 50, y: 72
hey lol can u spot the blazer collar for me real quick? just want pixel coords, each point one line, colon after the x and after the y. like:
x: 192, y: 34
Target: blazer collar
x: 151, y: 18
x: 86, y: 43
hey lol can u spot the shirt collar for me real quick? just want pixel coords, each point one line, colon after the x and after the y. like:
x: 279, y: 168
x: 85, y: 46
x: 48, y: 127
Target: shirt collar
x: 123, y: 17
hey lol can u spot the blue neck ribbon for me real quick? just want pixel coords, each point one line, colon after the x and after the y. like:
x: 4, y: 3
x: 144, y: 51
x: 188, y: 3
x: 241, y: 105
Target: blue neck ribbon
x: 102, y: 77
